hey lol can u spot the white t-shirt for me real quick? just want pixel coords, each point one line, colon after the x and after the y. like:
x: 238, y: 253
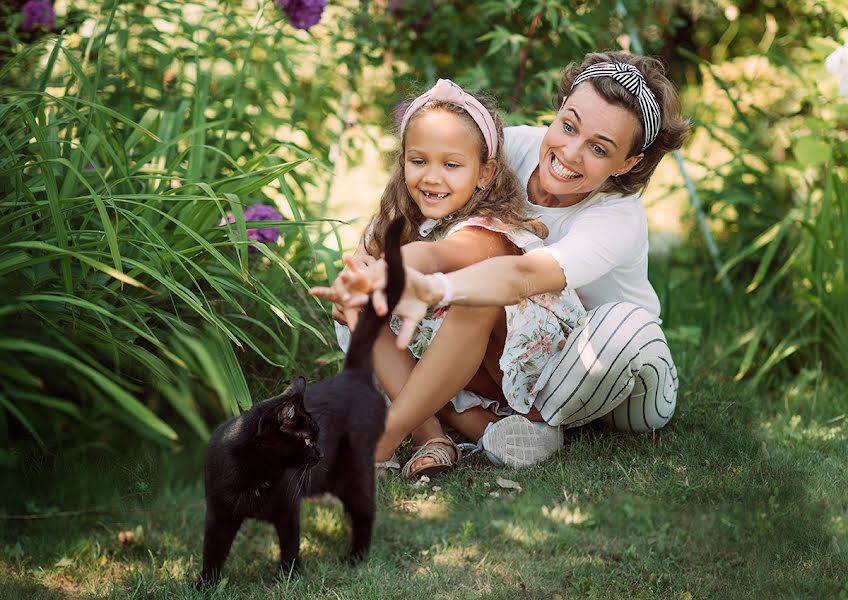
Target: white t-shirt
x: 601, y: 243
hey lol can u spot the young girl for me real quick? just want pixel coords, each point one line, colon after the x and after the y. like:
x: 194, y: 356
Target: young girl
x: 617, y: 116
x: 462, y: 204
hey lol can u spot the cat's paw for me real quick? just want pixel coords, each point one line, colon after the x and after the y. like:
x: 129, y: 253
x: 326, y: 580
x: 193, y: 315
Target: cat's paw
x: 357, y: 554
x: 289, y: 569
x: 204, y: 583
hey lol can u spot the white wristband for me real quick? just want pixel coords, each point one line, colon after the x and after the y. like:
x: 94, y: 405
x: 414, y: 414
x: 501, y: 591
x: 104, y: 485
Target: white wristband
x: 447, y: 289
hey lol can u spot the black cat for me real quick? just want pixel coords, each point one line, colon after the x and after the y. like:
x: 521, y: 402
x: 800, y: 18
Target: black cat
x: 303, y: 442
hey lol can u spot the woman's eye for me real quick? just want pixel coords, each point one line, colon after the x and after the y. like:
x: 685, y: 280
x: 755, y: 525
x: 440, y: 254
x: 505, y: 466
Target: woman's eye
x: 599, y: 150
x: 567, y: 128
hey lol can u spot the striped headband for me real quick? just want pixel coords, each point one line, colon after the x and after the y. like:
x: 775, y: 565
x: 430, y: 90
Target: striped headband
x: 634, y: 82
x: 447, y: 91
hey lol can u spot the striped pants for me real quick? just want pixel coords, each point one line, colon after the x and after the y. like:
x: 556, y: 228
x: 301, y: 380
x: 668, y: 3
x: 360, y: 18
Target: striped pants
x: 616, y: 366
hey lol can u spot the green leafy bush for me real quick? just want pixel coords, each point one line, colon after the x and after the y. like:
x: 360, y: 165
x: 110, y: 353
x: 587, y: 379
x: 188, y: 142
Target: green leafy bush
x: 124, y: 300
x: 774, y: 182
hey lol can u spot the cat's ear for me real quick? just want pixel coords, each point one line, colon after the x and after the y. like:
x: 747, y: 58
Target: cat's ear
x: 296, y: 388
x: 284, y: 413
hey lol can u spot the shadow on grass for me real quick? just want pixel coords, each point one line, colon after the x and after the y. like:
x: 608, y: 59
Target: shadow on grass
x: 724, y: 503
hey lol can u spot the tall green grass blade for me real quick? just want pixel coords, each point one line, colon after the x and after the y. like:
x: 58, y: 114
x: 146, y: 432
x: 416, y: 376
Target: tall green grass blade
x: 20, y: 417
x: 179, y: 396
x: 142, y: 415
x: 53, y: 203
x: 50, y: 402
x: 197, y: 150
x: 57, y: 253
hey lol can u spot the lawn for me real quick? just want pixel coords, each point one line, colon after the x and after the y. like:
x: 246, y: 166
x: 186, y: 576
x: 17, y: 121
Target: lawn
x: 743, y: 496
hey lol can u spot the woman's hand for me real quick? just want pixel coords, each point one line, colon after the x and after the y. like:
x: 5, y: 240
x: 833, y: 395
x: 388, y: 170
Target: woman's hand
x: 352, y: 288
x: 421, y: 292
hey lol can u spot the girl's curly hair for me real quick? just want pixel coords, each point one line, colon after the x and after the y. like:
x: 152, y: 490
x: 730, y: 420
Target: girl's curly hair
x: 673, y: 130
x: 502, y: 199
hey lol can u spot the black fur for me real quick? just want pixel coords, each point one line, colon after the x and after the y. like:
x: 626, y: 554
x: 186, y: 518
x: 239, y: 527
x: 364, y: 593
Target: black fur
x: 260, y: 464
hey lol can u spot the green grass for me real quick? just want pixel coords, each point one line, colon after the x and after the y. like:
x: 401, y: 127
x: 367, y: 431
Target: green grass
x: 743, y: 496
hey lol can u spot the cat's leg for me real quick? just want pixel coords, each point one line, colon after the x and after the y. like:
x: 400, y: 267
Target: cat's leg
x: 218, y: 536
x: 287, y: 523
x: 357, y: 496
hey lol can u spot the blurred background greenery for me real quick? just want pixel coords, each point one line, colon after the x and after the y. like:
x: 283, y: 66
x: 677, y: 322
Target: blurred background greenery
x: 132, y: 132
x: 174, y: 175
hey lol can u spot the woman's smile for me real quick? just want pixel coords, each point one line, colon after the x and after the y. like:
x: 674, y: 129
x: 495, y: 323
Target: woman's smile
x: 561, y: 170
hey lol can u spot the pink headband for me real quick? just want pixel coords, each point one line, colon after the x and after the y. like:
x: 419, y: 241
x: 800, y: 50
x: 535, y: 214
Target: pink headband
x: 447, y: 91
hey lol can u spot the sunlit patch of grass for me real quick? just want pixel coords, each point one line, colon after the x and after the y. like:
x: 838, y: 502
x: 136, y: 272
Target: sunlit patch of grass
x: 737, y: 498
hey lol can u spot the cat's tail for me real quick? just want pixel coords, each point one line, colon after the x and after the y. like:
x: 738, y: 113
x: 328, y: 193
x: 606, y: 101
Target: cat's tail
x: 369, y: 324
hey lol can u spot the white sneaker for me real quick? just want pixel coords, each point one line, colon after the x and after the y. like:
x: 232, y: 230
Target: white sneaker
x: 518, y: 442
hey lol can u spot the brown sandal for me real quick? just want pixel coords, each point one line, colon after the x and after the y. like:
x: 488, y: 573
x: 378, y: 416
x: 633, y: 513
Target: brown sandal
x: 441, y: 458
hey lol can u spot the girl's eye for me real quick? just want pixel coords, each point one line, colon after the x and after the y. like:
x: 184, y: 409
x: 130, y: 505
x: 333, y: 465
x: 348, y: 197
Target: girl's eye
x: 452, y: 165
x: 416, y: 161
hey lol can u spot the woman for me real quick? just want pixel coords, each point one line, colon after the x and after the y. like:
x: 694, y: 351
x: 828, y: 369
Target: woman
x: 618, y: 116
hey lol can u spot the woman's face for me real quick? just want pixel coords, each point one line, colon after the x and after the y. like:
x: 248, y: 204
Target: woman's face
x: 588, y: 142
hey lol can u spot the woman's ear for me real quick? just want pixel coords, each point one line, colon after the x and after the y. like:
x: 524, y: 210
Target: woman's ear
x: 629, y: 163
x: 487, y: 173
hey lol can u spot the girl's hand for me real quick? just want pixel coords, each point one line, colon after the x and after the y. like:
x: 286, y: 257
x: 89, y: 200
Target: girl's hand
x: 348, y: 284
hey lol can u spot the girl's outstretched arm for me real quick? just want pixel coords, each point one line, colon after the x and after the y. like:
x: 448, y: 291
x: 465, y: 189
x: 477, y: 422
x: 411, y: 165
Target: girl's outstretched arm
x: 463, y: 248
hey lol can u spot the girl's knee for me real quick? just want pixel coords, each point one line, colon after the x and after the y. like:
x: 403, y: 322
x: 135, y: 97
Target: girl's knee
x: 475, y: 315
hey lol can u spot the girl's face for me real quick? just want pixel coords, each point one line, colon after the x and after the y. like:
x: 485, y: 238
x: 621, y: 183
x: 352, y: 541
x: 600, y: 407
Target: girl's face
x: 588, y: 142
x: 442, y: 163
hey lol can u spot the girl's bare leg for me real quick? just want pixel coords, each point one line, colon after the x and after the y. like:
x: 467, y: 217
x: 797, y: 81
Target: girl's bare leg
x: 486, y: 382
x: 454, y: 356
x: 393, y: 368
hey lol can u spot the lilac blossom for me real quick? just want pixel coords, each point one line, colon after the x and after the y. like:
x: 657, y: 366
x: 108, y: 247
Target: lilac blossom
x: 400, y: 9
x: 259, y: 212
x: 302, y: 14
x: 38, y: 14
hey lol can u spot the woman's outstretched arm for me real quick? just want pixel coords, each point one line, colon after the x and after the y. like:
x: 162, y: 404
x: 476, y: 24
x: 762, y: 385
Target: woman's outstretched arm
x: 465, y: 247
x: 498, y: 281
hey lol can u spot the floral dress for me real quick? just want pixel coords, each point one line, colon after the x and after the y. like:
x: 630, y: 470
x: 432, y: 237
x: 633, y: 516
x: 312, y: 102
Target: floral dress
x: 537, y: 328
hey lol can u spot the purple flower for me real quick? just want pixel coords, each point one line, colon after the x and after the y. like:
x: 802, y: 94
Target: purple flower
x: 302, y: 14
x: 400, y: 9
x: 38, y: 13
x: 259, y: 212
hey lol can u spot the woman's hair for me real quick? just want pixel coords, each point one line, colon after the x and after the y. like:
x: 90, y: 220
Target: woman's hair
x: 502, y: 199
x: 673, y: 130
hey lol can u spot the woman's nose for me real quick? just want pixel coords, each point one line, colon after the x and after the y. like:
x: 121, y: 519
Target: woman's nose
x: 570, y: 151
